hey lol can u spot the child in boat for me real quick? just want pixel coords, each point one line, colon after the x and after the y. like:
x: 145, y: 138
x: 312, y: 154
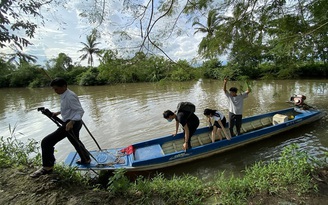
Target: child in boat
x: 298, y: 101
x: 218, y: 121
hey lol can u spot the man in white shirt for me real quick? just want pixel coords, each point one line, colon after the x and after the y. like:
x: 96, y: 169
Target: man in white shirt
x: 71, y: 112
x: 235, y: 106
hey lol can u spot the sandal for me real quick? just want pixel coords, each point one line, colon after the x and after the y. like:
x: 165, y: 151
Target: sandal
x: 80, y: 162
x: 40, y: 172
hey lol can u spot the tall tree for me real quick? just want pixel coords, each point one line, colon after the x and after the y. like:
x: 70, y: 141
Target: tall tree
x: 318, y: 34
x: 62, y: 63
x: 208, y: 29
x: 90, y: 48
x: 250, y: 29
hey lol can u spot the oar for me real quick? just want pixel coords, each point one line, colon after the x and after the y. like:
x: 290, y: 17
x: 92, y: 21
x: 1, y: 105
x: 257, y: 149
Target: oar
x: 91, y: 135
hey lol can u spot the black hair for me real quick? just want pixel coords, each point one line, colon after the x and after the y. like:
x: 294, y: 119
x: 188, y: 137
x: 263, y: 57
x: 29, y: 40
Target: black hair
x: 233, y: 89
x: 60, y: 82
x: 209, y: 111
x: 167, y: 114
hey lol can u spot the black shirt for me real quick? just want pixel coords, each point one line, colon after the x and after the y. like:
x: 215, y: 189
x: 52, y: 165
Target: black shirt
x: 188, y: 118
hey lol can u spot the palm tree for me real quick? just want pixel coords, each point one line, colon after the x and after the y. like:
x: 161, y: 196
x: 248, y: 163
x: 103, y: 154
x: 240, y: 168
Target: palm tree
x: 211, y: 24
x: 209, y: 29
x: 90, y: 48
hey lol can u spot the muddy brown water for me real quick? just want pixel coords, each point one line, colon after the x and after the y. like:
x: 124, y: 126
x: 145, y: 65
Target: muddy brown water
x: 119, y: 115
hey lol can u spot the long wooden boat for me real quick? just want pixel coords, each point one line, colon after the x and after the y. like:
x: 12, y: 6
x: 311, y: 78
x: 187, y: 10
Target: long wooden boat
x: 167, y: 151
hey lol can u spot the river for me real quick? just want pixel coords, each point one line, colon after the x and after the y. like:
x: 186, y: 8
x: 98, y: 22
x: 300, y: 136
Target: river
x: 119, y: 115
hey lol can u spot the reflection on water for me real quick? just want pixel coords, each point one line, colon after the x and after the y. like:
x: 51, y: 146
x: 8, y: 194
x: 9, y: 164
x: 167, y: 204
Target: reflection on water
x: 119, y: 115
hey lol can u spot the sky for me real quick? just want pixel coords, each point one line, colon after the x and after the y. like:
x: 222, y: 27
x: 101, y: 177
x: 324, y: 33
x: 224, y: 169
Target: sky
x: 64, y: 31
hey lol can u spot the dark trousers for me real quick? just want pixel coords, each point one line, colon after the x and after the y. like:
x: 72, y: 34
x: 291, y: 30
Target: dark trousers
x: 189, y: 140
x: 192, y: 129
x: 234, y: 120
x: 48, y: 143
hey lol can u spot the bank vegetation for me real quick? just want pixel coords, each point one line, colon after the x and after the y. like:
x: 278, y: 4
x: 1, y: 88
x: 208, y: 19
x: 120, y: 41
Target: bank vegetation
x: 143, y: 68
x: 294, y: 178
x: 260, y: 40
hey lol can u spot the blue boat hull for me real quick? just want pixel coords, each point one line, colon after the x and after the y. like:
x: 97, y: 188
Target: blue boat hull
x: 167, y: 151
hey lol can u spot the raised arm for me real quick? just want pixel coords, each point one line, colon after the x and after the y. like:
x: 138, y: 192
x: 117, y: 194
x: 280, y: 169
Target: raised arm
x: 248, y: 88
x: 225, y: 85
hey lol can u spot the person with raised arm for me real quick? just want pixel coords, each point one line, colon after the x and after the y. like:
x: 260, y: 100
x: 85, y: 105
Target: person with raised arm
x: 235, y: 103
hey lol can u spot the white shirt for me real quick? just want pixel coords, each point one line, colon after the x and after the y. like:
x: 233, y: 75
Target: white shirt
x: 236, y: 103
x: 70, y: 106
x: 218, y: 116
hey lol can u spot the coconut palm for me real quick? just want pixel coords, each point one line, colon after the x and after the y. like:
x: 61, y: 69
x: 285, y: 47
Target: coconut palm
x: 211, y: 24
x: 209, y: 29
x: 90, y: 48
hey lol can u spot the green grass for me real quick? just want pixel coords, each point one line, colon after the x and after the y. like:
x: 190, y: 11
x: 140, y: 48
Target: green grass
x: 16, y: 153
x: 291, y: 173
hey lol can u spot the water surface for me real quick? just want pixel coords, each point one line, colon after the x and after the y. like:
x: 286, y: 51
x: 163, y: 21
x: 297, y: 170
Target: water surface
x: 119, y: 115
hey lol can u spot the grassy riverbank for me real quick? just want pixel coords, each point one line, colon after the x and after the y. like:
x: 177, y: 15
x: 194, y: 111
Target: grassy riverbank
x: 293, y: 179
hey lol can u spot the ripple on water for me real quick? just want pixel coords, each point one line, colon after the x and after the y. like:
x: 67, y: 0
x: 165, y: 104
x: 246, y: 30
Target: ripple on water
x: 119, y: 115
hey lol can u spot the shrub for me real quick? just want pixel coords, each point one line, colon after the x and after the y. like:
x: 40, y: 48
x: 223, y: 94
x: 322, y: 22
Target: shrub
x: 15, y: 152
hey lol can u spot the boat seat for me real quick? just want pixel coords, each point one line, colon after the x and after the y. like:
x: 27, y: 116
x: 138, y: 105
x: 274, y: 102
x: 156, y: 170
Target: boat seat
x: 169, y: 147
x: 266, y: 121
x: 200, y: 141
x: 247, y: 127
x: 257, y: 124
x: 173, y: 146
x: 195, y: 142
x: 207, y: 138
x: 176, y: 145
x: 222, y: 133
x: 148, y: 152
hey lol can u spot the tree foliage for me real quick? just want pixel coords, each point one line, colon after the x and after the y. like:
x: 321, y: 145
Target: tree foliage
x: 282, y: 32
x: 262, y: 39
x: 15, y: 16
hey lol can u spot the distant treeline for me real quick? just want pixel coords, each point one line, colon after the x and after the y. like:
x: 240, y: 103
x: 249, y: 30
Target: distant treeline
x: 144, y: 68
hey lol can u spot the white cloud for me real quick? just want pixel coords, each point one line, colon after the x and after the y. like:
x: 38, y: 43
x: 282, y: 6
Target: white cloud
x: 66, y: 29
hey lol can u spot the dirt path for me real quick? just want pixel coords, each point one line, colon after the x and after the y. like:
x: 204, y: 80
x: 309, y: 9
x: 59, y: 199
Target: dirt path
x: 16, y: 187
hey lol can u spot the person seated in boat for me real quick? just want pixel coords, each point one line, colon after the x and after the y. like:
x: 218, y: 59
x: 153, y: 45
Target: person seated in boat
x: 218, y: 121
x: 188, y: 120
x: 298, y: 101
x: 236, y: 103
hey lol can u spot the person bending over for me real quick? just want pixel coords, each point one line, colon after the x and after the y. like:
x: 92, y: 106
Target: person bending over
x: 188, y: 120
x: 218, y: 121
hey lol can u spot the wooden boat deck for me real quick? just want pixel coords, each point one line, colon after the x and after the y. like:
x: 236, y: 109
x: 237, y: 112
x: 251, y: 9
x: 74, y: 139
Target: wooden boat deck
x: 203, y: 139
